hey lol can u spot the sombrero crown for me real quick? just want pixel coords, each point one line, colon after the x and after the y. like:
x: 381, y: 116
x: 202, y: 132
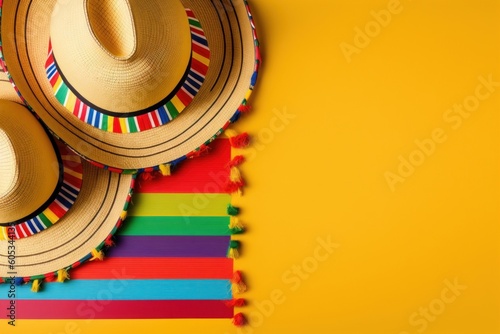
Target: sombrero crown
x: 128, y: 83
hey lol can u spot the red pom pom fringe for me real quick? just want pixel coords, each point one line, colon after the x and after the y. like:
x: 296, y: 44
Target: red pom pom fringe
x: 240, y: 141
x: 237, y: 160
x: 239, y: 320
x: 239, y: 302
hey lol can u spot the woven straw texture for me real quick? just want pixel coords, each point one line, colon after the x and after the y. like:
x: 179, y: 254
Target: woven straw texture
x: 232, y: 65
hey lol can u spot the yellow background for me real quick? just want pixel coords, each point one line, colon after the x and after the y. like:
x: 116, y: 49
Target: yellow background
x: 321, y: 174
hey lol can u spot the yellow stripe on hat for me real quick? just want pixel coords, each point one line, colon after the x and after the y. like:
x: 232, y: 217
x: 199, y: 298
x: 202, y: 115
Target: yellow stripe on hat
x: 201, y: 59
x: 71, y: 101
x: 124, y: 124
x: 50, y: 215
x: 58, y: 85
x: 177, y: 104
x: 4, y: 236
x: 73, y: 173
x: 111, y: 123
x: 72, y: 158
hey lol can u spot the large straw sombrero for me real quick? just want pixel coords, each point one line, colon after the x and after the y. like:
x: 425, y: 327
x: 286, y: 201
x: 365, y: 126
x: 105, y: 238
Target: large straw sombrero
x: 56, y: 210
x: 131, y: 84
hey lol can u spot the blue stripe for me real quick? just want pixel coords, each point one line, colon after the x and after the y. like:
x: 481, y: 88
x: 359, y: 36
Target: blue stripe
x: 38, y: 223
x: 64, y: 201
x: 119, y: 289
x: 199, y: 39
x: 197, y: 77
x: 73, y: 193
x: 163, y: 115
x: 90, y: 115
x: 51, y: 70
x: 64, y: 191
x: 98, y: 116
x: 31, y: 225
x: 190, y: 89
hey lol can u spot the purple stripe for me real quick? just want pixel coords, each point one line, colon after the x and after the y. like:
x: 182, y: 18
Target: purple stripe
x: 170, y: 246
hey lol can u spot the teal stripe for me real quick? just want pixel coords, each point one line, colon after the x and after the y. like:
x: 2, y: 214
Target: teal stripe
x: 118, y: 289
x: 62, y: 93
x: 176, y: 226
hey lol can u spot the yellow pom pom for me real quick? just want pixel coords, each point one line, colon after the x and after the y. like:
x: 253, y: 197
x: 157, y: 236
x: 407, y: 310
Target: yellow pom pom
x: 62, y: 275
x: 35, y: 287
x: 97, y: 255
x: 165, y: 169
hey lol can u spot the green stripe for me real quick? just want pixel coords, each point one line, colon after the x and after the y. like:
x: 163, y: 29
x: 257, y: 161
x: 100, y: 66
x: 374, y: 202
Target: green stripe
x: 131, y: 124
x: 176, y: 226
x: 171, y: 110
x: 194, y: 23
x: 179, y: 205
x: 46, y: 221
x: 104, y: 122
x: 62, y: 93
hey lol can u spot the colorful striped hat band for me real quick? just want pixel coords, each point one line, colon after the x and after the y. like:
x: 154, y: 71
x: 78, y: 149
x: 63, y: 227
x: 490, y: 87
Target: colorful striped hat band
x: 134, y: 115
x: 44, y: 184
x: 132, y: 85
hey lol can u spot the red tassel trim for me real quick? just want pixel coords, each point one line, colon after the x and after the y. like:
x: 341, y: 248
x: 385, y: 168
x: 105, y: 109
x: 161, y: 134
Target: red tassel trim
x: 239, y: 302
x: 239, y: 320
x: 240, y: 141
x: 203, y: 150
x: 146, y: 176
x: 109, y: 241
x: 232, y: 187
x: 237, y: 277
x: 244, y: 109
x: 51, y: 277
x: 237, y: 160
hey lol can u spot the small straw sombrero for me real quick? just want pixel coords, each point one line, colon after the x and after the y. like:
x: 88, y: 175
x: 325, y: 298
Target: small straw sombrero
x: 132, y: 84
x: 56, y: 210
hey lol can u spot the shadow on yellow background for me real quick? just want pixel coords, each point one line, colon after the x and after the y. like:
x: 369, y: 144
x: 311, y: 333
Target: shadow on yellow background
x: 373, y: 196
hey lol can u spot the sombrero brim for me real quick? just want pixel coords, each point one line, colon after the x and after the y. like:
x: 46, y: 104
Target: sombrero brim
x: 233, y: 66
x: 92, y: 220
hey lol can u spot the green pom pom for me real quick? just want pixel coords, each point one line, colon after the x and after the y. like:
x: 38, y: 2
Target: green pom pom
x: 232, y: 211
x: 234, y: 244
x: 237, y: 230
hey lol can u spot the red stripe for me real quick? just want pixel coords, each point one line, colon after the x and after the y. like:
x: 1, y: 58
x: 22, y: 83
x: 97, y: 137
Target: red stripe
x: 84, y: 112
x: 57, y: 210
x: 143, y: 123
x: 115, y: 170
x: 201, y: 50
x: 117, y: 127
x: 122, y: 309
x: 19, y: 231
x: 154, y: 117
x: 197, y: 30
x: 206, y: 174
x: 54, y: 79
x: 73, y: 166
x: 157, y: 268
x: 184, y: 97
x: 76, y: 108
x: 190, y: 14
x: 97, y: 164
x: 199, y: 66
x: 26, y: 230
x: 70, y: 179
x: 50, y: 58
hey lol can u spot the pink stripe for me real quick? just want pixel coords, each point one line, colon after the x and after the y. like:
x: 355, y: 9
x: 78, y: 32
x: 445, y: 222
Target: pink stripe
x: 123, y: 309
